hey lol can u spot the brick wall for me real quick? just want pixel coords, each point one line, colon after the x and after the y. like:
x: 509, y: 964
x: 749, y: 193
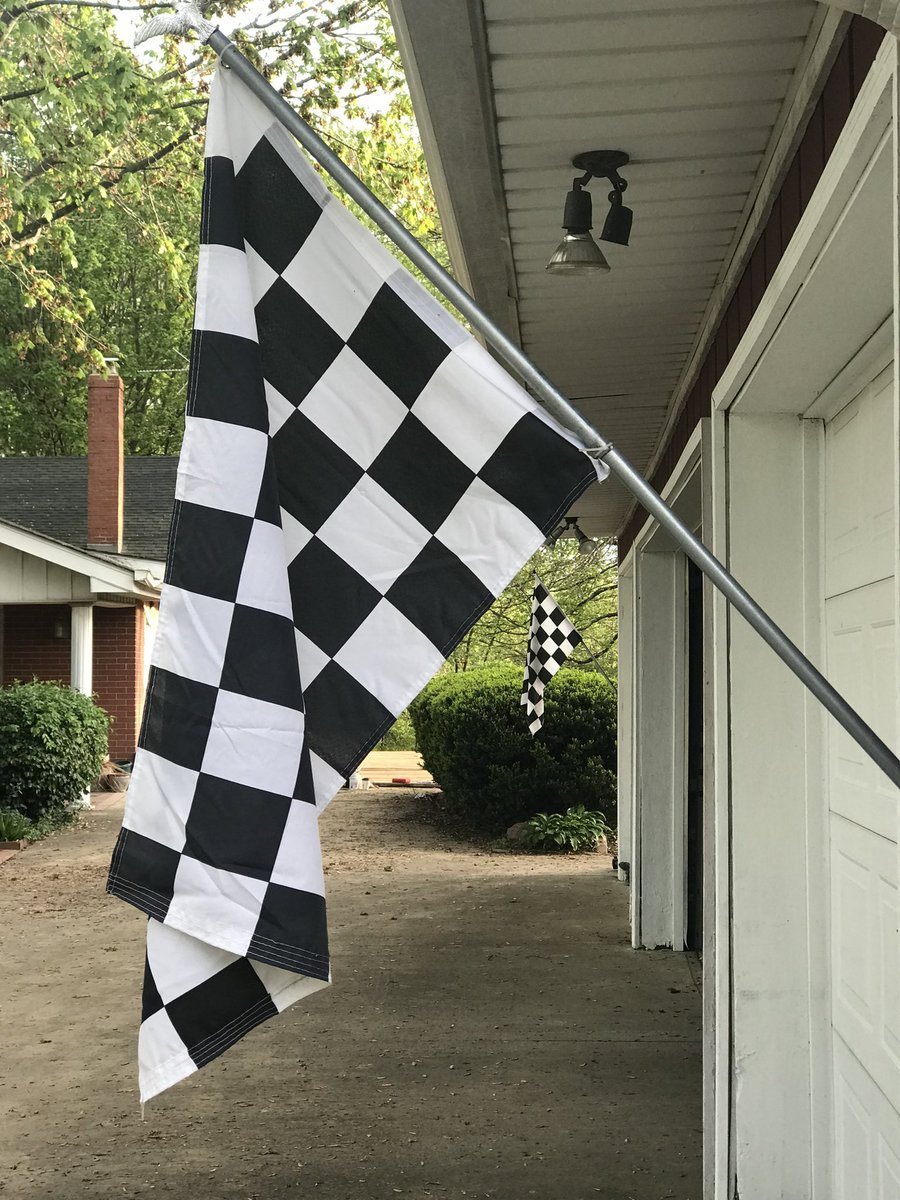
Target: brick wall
x: 118, y: 678
x: 31, y: 651
x: 29, y: 648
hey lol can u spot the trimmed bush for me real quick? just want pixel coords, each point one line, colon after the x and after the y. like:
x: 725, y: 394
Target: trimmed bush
x: 473, y: 737
x: 53, y: 741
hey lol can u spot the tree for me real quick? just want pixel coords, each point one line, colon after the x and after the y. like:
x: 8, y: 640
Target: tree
x: 135, y: 267
x: 100, y: 171
x: 584, y: 586
x: 84, y: 118
x: 82, y: 124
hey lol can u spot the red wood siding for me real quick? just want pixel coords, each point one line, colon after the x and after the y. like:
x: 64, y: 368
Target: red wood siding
x: 825, y: 124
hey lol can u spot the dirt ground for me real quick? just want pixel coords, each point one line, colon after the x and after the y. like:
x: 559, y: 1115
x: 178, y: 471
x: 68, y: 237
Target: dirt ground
x: 489, y: 1033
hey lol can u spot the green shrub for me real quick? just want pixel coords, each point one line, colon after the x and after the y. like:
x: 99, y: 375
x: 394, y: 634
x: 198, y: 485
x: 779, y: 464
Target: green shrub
x: 400, y: 736
x: 473, y: 737
x: 52, y: 743
x: 571, y: 832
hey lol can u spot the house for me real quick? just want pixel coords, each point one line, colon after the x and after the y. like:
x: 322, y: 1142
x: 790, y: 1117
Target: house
x: 82, y: 555
x: 741, y: 352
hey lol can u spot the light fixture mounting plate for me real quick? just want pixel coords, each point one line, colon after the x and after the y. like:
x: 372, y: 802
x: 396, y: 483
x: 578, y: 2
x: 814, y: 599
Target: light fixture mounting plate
x: 602, y: 164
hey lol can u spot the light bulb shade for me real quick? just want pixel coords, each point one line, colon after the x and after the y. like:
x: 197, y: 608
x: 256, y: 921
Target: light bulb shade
x: 586, y: 545
x: 617, y: 226
x: 578, y: 214
x: 577, y: 254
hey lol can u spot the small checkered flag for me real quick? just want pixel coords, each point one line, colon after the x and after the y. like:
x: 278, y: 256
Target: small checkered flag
x: 359, y: 480
x: 553, y: 638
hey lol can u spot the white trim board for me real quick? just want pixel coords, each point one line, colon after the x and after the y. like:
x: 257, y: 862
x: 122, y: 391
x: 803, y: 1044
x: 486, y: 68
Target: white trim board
x: 872, y: 358
x: 718, y: 1140
x: 671, y: 490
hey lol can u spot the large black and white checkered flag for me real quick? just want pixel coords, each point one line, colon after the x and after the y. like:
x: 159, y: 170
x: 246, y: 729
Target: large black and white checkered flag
x: 551, y: 640
x: 358, y: 481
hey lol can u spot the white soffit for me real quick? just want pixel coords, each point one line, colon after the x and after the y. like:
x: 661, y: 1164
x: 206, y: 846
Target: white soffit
x: 692, y: 90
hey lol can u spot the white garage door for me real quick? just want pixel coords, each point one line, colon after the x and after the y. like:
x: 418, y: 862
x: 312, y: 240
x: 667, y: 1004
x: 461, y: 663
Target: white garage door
x: 861, y: 654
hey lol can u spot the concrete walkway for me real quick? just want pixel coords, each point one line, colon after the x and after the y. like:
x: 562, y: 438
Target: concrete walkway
x: 489, y: 1033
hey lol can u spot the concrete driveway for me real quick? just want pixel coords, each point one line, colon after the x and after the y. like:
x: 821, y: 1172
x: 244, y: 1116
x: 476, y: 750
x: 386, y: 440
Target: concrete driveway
x: 489, y: 1033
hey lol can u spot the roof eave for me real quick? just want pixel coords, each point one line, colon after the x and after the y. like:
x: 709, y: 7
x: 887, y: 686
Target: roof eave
x: 140, y: 578
x: 445, y: 45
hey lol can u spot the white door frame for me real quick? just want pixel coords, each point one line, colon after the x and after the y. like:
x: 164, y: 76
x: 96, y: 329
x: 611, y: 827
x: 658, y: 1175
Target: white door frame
x: 753, y: 433
x: 653, y: 709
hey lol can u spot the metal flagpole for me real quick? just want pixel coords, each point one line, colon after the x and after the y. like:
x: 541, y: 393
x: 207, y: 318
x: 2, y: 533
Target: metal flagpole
x: 599, y: 665
x: 189, y: 17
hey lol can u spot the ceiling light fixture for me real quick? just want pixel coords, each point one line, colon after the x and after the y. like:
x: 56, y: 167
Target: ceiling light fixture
x: 578, y: 253
x: 571, y: 529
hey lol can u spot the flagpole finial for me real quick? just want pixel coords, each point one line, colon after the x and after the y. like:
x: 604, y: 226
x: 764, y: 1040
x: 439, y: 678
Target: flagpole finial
x: 187, y: 16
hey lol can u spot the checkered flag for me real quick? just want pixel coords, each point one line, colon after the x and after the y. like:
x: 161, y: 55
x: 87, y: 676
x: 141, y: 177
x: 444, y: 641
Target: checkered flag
x: 552, y: 639
x: 359, y: 480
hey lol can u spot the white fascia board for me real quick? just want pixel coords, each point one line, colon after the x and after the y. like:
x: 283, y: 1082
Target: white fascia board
x: 864, y: 133
x: 103, y: 576
x: 445, y: 57
x: 137, y: 589
x: 436, y: 172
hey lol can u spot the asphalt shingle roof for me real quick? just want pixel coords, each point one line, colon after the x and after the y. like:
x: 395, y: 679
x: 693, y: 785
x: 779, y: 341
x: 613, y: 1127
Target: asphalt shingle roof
x: 49, y: 496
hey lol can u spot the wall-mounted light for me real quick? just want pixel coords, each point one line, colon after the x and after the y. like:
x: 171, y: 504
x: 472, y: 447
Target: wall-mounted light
x: 571, y: 529
x: 578, y: 253
x: 59, y: 630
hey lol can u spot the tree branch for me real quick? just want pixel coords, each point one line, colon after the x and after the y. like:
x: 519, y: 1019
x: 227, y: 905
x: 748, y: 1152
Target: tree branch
x: 175, y: 73
x: 36, y: 91
x: 9, y: 14
x: 31, y: 231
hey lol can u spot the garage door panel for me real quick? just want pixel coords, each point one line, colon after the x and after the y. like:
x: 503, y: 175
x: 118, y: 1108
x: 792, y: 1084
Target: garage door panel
x: 859, y: 495
x: 861, y: 647
x: 854, y: 1172
x: 855, y: 957
x: 888, y: 1174
x: 866, y: 1134
x: 861, y: 660
x: 889, y: 926
x: 864, y: 951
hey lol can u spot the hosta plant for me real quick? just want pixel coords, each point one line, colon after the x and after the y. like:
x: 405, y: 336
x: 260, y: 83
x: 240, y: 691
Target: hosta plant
x: 573, y: 832
x: 14, y: 826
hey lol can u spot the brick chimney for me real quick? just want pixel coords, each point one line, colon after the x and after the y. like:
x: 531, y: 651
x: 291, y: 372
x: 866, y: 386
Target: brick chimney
x: 106, y: 462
